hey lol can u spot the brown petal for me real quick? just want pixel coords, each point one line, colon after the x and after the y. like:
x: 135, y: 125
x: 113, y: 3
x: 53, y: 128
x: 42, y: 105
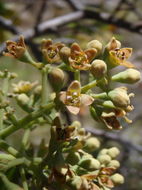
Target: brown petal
x: 21, y: 42
x: 113, y: 43
x: 74, y: 110
x: 75, y: 47
x: 91, y: 53
x: 46, y: 43
x: 86, y: 100
x: 62, y: 96
x: 74, y: 86
x: 127, y: 64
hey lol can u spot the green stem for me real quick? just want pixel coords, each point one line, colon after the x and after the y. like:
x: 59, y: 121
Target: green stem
x: 77, y: 75
x: 26, y: 120
x: 88, y: 86
x: 3, y: 98
x: 103, y: 96
x: 44, y: 87
x: 23, y: 177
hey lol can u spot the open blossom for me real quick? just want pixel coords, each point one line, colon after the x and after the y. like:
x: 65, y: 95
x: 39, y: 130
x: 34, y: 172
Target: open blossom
x: 51, y: 51
x: 118, y: 55
x: 15, y: 49
x: 73, y: 99
x: 80, y: 59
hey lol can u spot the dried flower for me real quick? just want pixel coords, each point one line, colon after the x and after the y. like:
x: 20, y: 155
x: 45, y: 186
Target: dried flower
x: 51, y: 51
x: 80, y: 59
x: 73, y: 99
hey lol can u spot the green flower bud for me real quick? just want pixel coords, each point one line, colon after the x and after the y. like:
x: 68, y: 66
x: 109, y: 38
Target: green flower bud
x: 75, y: 183
x: 65, y: 53
x: 97, y: 45
x: 23, y: 99
x: 38, y: 90
x: 77, y: 124
x: 90, y: 164
x: 114, y: 163
x: 91, y: 144
x: 119, y: 97
x: 104, y: 159
x: 117, y: 179
x: 73, y: 158
x: 81, y: 131
x: 129, y: 76
x: 103, y: 151
x: 98, y: 68
x: 113, y: 152
x: 56, y: 78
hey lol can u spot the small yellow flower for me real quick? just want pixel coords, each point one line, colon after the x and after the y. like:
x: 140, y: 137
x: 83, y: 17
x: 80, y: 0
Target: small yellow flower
x: 23, y: 87
x: 51, y: 51
x: 15, y: 49
x: 80, y: 59
x: 120, y: 56
x: 73, y: 99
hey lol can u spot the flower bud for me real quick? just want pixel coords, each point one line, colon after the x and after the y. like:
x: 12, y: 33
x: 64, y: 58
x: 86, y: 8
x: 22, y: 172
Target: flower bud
x: 129, y: 76
x: 75, y: 183
x: 65, y: 53
x: 114, y: 163
x: 91, y: 144
x: 73, y: 158
x: 113, y: 152
x: 77, y: 124
x: 56, y: 78
x: 23, y: 99
x: 98, y: 68
x: 97, y: 45
x: 90, y: 164
x: 119, y: 97
x: 103, y: 151
x: 104, y: 159
x: 117, y: 178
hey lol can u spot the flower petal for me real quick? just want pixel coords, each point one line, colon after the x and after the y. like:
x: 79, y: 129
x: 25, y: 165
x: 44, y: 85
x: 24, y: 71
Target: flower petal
x: 62, y: 96
x: 75, y: 47
x: 74, y: 86
x: 127, y: 64
x: 86, y: 100
x: 73, y: 109
x: 91, y: 53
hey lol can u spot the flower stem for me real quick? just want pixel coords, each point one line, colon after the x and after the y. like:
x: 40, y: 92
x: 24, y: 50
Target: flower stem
x: 77, y: 75
x: 88, y: 86
x: 23, y: 177
x: 44, y: 87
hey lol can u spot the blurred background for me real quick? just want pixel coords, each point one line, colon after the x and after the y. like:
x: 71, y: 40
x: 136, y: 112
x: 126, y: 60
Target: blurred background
x: 81, y: 21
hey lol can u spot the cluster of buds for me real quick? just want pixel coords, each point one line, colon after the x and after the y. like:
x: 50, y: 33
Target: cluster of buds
x: 68, y: 162
x: 74, y: 167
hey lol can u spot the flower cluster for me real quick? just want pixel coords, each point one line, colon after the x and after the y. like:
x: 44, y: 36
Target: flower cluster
x: 73, y: 159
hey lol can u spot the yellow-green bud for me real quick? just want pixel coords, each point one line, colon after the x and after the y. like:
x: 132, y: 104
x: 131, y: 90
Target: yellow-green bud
x: 56, y: 78
x: 117, y: 179
x: 75, y: 183
x: 81, y: 131
x: 114, y: 163
x: 103, y: 151
x: 23, y: 99
x: 97, y: 45
x: 104, y: 159
x: 73, y: 158
x: 65, y: 53
x: 77, y: 124
x: 98, y: 68
x: 91, y: 144
x: 38, y: 90
x: 129, y: 76
x: 119, y: 97
x: 90, y: 164
x: 113, y: 152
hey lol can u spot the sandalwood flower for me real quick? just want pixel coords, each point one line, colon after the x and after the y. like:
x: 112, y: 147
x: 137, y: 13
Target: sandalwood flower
x: 80, y: 59
x: 73, y: 99
x: 51, y: 51
x: 15, y: 49
x: 23, y: 87
x: 118, y: 55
